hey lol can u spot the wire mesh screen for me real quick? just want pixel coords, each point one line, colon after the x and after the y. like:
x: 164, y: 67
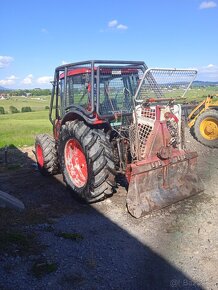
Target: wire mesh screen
x: 117, y: 87
x: 143, y: 124
x: 165, y: 83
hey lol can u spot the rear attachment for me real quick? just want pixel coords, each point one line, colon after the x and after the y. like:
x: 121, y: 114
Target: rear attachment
x: 162, y: 172
x: 155, y: 184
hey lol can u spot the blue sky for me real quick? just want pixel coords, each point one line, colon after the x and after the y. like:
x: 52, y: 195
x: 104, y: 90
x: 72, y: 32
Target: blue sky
x: 39, y: 35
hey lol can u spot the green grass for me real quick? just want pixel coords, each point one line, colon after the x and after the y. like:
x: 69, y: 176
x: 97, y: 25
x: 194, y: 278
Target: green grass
x: 40, y: 269
x: 18, y: 243
x: 71, y: 236
x: 20, y: 129
x: 199, y: 94
x: 36, y: 103
x: 193, y: 94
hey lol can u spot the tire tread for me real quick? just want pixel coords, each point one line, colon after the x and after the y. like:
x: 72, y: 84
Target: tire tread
x: 99, y: 157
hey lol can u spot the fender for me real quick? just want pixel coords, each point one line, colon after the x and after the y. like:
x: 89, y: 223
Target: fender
x: 76, y: 115
x: 92, y: 119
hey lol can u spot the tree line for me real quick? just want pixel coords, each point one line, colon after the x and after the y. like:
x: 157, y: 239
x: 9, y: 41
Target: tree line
x: 32, y: 92
x: 14, y: 110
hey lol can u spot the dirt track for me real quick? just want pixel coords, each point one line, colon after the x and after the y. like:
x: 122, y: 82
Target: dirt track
x: 175, y: 248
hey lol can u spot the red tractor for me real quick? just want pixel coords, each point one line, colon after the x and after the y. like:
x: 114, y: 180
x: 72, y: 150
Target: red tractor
x: 115, y: 118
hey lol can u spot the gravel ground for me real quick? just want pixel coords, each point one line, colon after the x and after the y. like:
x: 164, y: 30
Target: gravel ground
x: 59, y: 243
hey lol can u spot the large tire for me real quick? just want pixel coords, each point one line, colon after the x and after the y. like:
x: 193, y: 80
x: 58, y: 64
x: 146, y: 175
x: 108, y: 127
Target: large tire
x: 46, y: 154
x: 86, y: 161
x: 206, y: 128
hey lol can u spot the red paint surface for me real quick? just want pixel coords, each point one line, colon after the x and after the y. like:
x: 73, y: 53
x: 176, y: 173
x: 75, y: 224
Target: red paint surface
x: 76, y: 164
x: 39, y: 155
x: 83, y: 70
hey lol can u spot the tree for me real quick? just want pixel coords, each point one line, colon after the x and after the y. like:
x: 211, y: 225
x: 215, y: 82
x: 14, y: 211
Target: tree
x: 2, y: 111
x: 26, y: 109
x: 13, y: 110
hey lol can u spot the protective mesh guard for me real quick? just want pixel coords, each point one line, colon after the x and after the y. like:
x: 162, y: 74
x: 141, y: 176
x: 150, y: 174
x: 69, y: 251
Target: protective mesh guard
x: 148, y: 113
x: 144, y: 123
x: 165, y: 83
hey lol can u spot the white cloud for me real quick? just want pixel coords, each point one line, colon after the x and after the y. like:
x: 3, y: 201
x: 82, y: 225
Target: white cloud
x: 44, y: 30
x: 12, y: 77
x: 208, y: 73
x: 209, y: 68
x: 207, y: 5
x: 122, y: 27
x: 44, y: 80
x: 113, y: 23
x: 28, y: 80
x: 5, y: 61
x: 8, y: 81
x: 64, y: 62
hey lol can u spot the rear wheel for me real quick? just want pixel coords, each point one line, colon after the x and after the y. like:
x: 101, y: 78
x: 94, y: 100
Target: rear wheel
x: 206, y: 128
x: 46, y: 154
x: 86, y: 161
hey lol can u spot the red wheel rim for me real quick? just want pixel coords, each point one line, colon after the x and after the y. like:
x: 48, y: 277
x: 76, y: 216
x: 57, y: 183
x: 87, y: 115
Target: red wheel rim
x: 75, y: 162
x: 39, y: 154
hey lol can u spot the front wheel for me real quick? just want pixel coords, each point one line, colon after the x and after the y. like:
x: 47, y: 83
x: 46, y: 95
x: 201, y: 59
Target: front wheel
x: 86, y: 161
x: 206, y: 128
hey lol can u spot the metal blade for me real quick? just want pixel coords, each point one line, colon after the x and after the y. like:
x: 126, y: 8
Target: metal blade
x: 161, y: 183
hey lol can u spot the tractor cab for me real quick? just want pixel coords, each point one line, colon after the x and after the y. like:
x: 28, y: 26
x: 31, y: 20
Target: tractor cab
x: 97, y: 91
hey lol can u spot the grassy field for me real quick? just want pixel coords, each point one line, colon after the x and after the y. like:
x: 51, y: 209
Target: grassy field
x: 36, y: 103
x: 199, y: 94
x: 193, y: 94
x: 20, y: 129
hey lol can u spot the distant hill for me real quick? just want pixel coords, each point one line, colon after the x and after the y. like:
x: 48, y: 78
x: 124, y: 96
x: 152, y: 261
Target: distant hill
x: 204, y: 83
x: 3, y: 89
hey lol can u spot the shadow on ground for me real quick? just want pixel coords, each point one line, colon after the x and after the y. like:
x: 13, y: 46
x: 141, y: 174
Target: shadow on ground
x: 78, y: 246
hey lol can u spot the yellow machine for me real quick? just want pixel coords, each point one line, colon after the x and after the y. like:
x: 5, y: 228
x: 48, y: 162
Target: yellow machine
x: 203, y: 122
